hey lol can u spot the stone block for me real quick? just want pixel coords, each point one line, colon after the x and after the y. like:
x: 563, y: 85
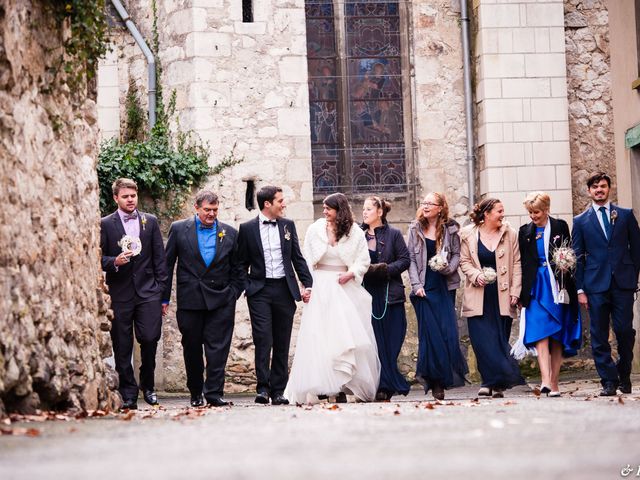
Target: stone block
x: 542, y: 40
x: 548, y: 109
x: 299, y: 170
x: 109, y: 119
x: 545, y: 65
x: 547, y: 131
x: 503, y: 66
x: 536, y: 178
x: 504, y: 154
x: 561, y: 131
x: 209, y: 95
x: 559, y: 87
x: 510, y: 179
x: 490, y: 132
x: 431, y: 126
x: 273, y: 99
x: 557, y: 39
x: 488, y: 88
x: 108, y: 76
x: 505, y: 40
x: 187, y: 20
x: 507, y: 132
x: 290, y: 21
x: 293, y: 69
x: 487, y: 41
x: 250, y: 28
x: 208, y: 44
x: 527, y: 132
x: 498, y: 15
x: 502, y: 110
x: 561, y: 202
x: 513, y: 208
x: 563, y: 176
x: 293, y: 121
x: 551, y: 153
x: 491, y: 180
x: 525, y: 87
x: 267, y: 132
x: 524, y: 40
x: 545, y: 14
x: 109, y: 97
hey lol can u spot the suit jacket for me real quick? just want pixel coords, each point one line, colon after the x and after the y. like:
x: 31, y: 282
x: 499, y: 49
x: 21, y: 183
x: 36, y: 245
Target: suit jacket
x: 145, y: 274
x: 200, y: 287
x: 599, y: 259
x: 559, y: 235
x: 252, y: 257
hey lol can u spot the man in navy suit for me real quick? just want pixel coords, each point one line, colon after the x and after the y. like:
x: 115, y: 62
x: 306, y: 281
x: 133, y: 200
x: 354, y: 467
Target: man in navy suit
x: 270, y: 253
x: 135, y: 285
x: 209, y: 280
x: 606, y: 239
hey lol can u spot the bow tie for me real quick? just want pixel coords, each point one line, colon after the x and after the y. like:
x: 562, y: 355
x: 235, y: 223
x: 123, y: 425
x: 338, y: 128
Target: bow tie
x: 205, y: 227
x: 130, y: 216
x: 269, y: 222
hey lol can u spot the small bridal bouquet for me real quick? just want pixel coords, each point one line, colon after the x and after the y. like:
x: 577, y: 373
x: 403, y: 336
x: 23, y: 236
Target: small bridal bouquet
x: 489, y: 274
x: 437, y: 263
x: 565, y: 259
x: 130, y: 244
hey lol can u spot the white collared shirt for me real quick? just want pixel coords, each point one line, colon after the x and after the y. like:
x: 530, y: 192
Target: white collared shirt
x: 270, y: 237
x: 607, y: 206
x: 131, y: 227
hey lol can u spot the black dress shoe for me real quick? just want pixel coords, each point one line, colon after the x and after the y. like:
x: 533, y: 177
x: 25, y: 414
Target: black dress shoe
x: 608, y: 390
x: 197, y: 401
x: 341, y: 397
x: 625, y: 386
x: 150, y: 397
x: 279, y: 400
x: 129, y: 404
x: 262, y: 398
x: 217, y: 402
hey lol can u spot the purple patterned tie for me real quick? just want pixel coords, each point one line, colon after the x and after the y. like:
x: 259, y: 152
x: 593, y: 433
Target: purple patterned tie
x: 130, y: 216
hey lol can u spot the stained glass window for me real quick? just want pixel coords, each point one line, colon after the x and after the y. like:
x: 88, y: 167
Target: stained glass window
x: 355, y: 95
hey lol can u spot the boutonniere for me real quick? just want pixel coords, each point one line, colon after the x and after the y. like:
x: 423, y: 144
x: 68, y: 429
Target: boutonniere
x: 287, y: 233
x: 614, y: 215
x: 222, y: 234
x: 556, y: 238
x: 143, y: 221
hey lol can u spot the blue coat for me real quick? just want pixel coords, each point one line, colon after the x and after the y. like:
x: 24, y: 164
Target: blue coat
x: 599, y: 259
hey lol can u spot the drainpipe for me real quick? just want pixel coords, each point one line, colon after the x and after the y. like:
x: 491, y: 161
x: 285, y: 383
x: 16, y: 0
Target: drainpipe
x: 468, y: 101
x: 151, y: 61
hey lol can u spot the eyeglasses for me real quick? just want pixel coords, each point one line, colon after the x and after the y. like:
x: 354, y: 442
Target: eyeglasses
x: 429, y: 204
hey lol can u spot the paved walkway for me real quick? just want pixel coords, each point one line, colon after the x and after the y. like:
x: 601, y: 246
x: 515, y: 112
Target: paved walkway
x: 521, y: 436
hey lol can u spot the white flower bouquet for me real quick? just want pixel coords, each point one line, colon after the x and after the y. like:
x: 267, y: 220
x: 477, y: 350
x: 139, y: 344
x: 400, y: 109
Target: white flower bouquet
x: 489, y: 274
x: 130, y: 244
x: 438, y: 262
x: 565, y: 260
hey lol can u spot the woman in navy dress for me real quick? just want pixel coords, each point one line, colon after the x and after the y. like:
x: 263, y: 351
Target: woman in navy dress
x: 441, y: 364
x: 489, y: 305
x: 389, y: 258
x: 553, y: 328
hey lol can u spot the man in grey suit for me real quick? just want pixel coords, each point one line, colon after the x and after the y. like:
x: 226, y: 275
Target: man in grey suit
x: 209, y: 280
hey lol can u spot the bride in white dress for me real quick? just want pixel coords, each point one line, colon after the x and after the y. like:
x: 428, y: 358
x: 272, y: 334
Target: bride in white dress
x: 336, y: 351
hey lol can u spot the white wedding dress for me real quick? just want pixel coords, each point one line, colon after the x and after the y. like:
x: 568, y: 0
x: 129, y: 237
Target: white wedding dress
x: 336, y: 347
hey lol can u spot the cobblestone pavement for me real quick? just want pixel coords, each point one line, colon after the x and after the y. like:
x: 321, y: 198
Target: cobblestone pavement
x: 521, y: 436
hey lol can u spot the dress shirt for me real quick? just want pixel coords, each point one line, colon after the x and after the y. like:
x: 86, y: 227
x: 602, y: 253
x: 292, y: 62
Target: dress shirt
x: 131, y: 227
x: 207, y: 241
x: 270, y: 237
x: 607, y: 206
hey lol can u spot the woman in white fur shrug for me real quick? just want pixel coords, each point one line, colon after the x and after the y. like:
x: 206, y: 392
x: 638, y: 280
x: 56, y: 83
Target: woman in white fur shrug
x: 336, y: 352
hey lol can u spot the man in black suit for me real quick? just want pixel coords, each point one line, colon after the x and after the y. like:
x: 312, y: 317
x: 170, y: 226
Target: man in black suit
x: 136, y: 278
x: 209, y: 280
x: 270, y: 252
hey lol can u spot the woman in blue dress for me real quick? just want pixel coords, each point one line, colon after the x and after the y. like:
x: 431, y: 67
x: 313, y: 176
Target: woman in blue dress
x: 490, y: 262
x: 552, y: 327
x: 389, y: 258
x: 441, y: 364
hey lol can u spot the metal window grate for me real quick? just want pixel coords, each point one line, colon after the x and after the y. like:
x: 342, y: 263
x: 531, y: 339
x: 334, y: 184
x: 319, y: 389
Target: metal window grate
x: 247, y: 11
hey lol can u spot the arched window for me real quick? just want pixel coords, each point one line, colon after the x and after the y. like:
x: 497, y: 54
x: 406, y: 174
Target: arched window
x: 356, y: 96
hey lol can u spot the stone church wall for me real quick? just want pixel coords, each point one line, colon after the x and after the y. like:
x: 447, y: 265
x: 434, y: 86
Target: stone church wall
x: 53, y: 313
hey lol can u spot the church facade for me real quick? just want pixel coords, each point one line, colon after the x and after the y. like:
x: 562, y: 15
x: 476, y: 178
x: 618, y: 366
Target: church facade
x: 368, y: 97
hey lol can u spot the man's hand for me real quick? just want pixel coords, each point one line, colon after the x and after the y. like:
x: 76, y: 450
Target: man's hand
x: 306, y: 295
x: 345, y: 277
x: 420, y: 292
x: 165, y: 309
x: 123, y: 258
x: 583, y: 300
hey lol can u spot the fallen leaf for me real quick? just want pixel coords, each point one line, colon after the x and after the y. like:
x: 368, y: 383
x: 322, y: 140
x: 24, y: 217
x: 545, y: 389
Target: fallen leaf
x: 429, y: 406
x: 396, y: 412
x: 620, y: 401
x: 128, y: 416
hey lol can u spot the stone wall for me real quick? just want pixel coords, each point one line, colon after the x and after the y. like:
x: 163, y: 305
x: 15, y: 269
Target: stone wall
x: 53, y: 314
x: 589, y: 94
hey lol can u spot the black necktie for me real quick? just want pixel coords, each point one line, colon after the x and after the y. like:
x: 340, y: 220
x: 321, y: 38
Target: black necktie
x: 269, y: 222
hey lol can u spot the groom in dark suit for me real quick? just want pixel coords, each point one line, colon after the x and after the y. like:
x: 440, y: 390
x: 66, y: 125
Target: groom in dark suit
x: 209, y: 280
x: 270, y: 252
x: 135, y: 285
x: 606, y: 239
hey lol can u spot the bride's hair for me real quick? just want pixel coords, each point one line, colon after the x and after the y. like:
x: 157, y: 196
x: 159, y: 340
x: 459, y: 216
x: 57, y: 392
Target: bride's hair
x: 344, y: 217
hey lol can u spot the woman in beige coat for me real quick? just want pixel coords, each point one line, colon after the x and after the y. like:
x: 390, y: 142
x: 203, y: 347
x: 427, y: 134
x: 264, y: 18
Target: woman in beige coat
x: 490, y: 262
